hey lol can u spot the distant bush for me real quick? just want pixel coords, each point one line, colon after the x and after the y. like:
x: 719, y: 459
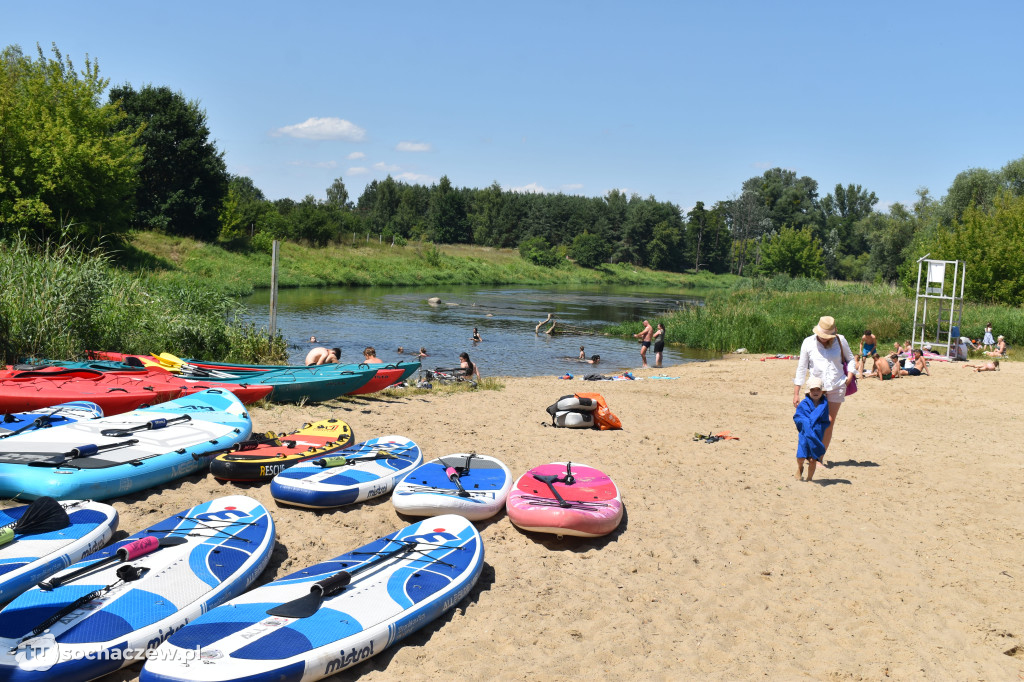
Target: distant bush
x: 536, y: 250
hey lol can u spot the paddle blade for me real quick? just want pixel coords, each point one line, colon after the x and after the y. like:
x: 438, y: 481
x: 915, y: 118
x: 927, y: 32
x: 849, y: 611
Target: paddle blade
x: 42, y: 516
x: 303, y: 607
x: 6, y: 535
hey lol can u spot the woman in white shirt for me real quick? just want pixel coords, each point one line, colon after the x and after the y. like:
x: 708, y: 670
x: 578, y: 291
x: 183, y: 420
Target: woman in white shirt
x: 826, y: 354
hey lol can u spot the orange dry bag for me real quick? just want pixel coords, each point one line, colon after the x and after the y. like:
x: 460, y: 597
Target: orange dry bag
x: 604, y: 418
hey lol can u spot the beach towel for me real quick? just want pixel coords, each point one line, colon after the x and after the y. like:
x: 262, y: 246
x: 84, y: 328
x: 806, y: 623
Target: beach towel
x: 811, y: 421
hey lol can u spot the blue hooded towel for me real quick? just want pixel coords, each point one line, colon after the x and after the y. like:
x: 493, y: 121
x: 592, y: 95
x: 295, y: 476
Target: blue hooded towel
x: 811, y: 422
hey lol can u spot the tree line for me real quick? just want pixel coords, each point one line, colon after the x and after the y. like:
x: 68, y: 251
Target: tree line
x: 73, y: 161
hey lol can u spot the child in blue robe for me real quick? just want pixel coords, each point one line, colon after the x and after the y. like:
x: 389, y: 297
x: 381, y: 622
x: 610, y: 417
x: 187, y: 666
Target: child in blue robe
x: 811, y: 420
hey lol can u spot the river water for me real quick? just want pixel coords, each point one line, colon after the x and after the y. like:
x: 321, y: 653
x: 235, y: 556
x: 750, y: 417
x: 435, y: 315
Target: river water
x: 506, y: 317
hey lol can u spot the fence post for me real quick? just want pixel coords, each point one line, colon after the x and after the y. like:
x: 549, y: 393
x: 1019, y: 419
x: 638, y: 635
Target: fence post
x: 273, y: 290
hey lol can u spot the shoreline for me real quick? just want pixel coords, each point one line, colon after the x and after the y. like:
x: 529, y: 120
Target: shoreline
x: 901, y: 560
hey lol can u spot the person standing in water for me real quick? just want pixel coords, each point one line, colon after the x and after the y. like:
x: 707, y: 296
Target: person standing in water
x: 659, y: 344
x: 476, y: 336
x: 322, y: 356
x: 645, y: 336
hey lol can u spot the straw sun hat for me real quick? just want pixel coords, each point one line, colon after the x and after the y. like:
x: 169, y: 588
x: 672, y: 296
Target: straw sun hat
x: 826, y: 328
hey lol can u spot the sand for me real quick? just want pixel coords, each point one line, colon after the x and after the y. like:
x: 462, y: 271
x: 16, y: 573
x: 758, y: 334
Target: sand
x: 903, y: 560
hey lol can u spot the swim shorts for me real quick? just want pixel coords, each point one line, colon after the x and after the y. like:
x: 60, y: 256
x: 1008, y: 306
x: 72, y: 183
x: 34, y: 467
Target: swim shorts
x: 869, y: 348
x: 914, y: 372
x: 886, y: 377
x: 645, y: 344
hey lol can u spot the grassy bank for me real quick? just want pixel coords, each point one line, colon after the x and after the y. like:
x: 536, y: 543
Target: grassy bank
x: 775, y: 316
x: 175, y: 259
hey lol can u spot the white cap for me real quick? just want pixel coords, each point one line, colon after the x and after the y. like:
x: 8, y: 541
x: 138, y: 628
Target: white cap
x: 814, y: 382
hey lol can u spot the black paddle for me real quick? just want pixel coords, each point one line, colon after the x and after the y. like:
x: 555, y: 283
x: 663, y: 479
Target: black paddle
x: 45, y: 514
x: 151, y: 425
x: 125, y: 574
x: 126, y: 553
x: 306, y: 606
x: 341, y: 460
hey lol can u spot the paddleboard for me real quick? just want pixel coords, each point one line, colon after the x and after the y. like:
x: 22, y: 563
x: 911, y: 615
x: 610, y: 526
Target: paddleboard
x: 103, y: 458
x: 44, y: 418
x: 30, y: 557
x: 261, y: 459
x: 470, y: 485
x: 93, y: 623
x: 399, y: 583
x: 359, y: 472
x: 575, y: 500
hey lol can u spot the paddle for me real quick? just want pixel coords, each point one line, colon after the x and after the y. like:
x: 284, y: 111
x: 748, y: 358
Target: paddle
x: 454, y: 474
x: 551, y: 479
x: 41, y: 422
x: 126, y: 553
x: 125, y: 574
x: 307, y: 605
x: 341, y: 460
x: 44, y: 515
x: 151, y: 425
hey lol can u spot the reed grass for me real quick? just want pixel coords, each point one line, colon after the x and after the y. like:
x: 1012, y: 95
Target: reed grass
x: 775, y: 316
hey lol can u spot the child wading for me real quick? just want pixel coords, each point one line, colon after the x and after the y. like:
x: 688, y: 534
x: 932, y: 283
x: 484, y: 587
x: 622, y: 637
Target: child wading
x: 811, y: 420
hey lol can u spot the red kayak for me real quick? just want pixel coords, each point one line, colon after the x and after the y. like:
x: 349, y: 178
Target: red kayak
x: 22, y: 396
x: 158, y: 380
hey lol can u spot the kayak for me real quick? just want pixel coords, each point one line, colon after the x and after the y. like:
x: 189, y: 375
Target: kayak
x: 23, y: 396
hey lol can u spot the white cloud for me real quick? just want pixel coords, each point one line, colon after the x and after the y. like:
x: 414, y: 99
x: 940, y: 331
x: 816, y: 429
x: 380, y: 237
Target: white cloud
x: 381, y: 166
x: 532, y: 188
x: 572, y: 187
x: 324, y: 129
x: 416, y: 178
x: 412, y: 147
x: 314, y: 164
x: 356, y: 155
x: 358, y: 170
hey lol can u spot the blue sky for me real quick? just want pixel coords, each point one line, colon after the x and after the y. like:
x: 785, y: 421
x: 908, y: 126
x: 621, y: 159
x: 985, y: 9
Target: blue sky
x: 680, y: 100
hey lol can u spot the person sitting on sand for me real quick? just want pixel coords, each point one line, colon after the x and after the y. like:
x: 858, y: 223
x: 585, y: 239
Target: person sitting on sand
x: 469, y: 368
x: 882, y: 367
x: 811, y: 419
x: 1000, y: 349
x: 985, y: 366
x: 919, y: 367
x: 370, y: 355
x: 322, y: 356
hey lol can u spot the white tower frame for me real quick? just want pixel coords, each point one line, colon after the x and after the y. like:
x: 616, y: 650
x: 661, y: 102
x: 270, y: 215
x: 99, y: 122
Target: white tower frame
x: 934, y: 283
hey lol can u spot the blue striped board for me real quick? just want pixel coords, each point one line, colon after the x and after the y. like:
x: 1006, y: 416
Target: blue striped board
x: 437, y: 563
x: 103, y: 620
x: 373, y: 469
x: 48, y: 417
x: 428, y: 490
x: 102, y: 458
x: 28, y: 559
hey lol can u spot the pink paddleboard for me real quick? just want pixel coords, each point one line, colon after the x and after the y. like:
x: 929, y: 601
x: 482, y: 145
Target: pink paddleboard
x: 590, y: 504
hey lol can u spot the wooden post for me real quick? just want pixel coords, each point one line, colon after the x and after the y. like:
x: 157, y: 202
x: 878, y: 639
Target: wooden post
x: 273, y: 290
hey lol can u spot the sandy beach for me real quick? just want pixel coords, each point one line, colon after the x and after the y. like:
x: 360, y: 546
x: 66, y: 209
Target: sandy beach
x: 903, y: 560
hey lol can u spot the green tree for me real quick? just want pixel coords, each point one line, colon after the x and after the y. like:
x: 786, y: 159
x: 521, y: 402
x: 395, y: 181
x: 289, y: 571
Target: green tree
x: 447, y: 221
x: 67, y: 163
x: 242, y: 210
x: 972, y: 187
x: 795, y: 253
x: 537, y: 250
x: 589, y: 250
x: 992, y: 246
x: 183, y: 179
x: 337, y: 196
x: 842, y: 210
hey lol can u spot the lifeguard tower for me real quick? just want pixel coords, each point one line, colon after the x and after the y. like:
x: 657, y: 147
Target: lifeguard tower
x: 939, y: 307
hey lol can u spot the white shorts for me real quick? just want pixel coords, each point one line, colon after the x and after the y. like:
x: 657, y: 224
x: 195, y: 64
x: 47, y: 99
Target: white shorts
x: 837, y: 395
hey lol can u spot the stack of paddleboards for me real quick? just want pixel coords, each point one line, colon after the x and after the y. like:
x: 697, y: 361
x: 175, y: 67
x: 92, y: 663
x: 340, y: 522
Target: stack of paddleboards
x: 106, y: 611
x: 354, y: 474
x: 110, y: 456
x: 326, y: 618
x: 470, y: 485
x: 263, y: 457
x: 565, y: 498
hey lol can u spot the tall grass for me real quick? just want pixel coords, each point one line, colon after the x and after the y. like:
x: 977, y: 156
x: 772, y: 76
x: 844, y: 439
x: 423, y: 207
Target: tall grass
x: 57, y: 301
x: 774, y: 316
